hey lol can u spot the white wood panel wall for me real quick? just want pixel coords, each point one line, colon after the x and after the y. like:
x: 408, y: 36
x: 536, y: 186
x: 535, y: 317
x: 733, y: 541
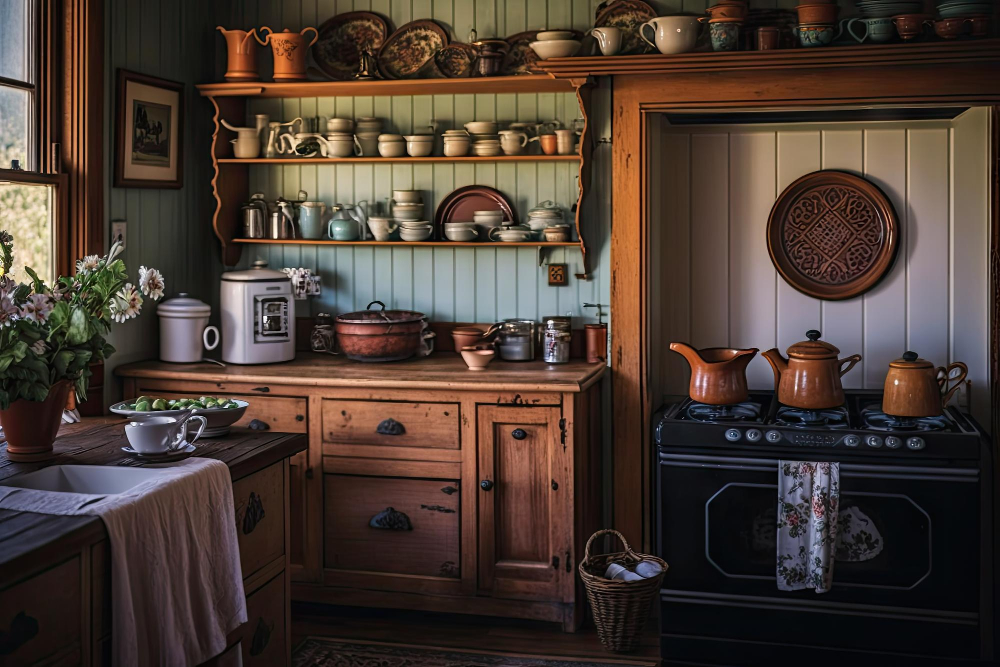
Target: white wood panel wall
x: 719, y: 288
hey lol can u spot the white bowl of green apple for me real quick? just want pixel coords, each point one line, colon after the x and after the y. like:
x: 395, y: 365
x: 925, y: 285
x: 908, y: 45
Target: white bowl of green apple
x: 220, y: 411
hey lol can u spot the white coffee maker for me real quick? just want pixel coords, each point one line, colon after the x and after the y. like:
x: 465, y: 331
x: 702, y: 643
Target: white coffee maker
x: 258, y: 316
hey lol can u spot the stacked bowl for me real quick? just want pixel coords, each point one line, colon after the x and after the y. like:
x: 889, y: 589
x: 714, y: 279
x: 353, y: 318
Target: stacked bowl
x: 956, y: 9
x: 419, y: 145
x: 366, y: 131
x: 880, y: 9
x: 725, y: 24
x: 545, y: 215
x: 391, y: 145
x: 456, y: 143
x: 407, y: 209
x: 555, y: 44
x: 817, y: 22
x: 485, y: 138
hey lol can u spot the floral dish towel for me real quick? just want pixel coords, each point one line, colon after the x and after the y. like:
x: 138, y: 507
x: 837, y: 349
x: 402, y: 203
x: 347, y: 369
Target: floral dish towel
x: 808, y: 499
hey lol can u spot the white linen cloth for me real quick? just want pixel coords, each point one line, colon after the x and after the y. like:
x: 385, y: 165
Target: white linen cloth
x: 176, y: 584
x: 808, y: 509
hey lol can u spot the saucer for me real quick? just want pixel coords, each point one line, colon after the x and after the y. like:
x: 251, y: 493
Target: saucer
x: 178, y: 454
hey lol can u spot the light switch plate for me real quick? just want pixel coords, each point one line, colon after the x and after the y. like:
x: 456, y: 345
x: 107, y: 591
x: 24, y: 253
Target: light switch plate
x: 118, y: 228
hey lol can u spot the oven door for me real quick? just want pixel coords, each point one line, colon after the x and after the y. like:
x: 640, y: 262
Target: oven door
x: 915, y: 552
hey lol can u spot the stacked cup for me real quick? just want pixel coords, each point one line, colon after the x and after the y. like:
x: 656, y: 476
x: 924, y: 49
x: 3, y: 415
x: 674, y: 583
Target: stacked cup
x: 407, y: 210
x: 367, y: 131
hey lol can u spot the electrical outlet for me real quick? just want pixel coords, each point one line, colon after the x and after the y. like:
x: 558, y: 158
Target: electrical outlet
x: 118, y: 228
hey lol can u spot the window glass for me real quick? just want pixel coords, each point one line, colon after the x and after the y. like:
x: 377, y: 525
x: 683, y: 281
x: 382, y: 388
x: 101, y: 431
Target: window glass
x: 15, y: 107
x: 15, y: 62
x: 27, y: 212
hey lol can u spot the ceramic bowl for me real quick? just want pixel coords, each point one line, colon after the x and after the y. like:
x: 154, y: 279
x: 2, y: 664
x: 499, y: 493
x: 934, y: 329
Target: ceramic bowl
x: 419, y: 148
x: 419, y: 137
x: 407, y: 214
x: 817, y: 13
x: 414, y: 224
x: 728, y: 10
x: 466, y: 337
x: 549, y: 35
x: 416, y: 234
x: 486, y: 216
x: 407, y: 196
x: 949, y: 28
x: 456, y: 148
x: 461, y: 234
x: 815, y: 35
x: 555, y: 48
x: 340, y: 125
x: 507, y: 235
x: 392, y: 148
x: 556, y: 234
x: 481, y: 127
x: 477, y: 359
x: 910, y: 25
x: 219, y: 419
x: 368, y: 124
x: 340, y: 147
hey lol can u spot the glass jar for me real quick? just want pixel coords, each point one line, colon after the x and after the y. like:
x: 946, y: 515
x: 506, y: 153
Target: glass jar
x: 515, y: 340
x: 555, y: 347
x: 322, y: 337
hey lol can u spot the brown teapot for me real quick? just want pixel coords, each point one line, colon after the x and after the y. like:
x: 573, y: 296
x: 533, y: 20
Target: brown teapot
x: 915, y: 388
x: 718, y: 374
x: 810, y: 377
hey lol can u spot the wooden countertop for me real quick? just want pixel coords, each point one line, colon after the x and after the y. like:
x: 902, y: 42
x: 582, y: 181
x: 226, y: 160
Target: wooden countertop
x: 443, y: 370
x: 98, y: 441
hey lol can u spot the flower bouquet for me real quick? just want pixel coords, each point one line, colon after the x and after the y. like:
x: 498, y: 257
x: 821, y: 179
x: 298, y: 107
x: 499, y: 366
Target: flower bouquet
x: 49, y: 337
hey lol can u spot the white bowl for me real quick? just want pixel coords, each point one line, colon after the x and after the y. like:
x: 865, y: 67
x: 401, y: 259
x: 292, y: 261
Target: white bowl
x: 455, y: 148
x: 460, y: 225
x: 555, y: 48
x: 419, y: 137
x: 407, y: 197
x: 419, y: 148
x: 481, y: 127
x: 461, y: 234
x: 416, y: 234
x: 340, y: 125
x: 392, y: 148
x: 391, y: 137
x: 407, y: 214
x: 415, y: 223
x: 550, y: 35
x: 340, y: 147
x: 368, y: 124
x: 487, y: 215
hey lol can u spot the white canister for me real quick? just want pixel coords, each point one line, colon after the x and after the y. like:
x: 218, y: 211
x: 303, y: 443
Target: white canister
x: 184, y: 329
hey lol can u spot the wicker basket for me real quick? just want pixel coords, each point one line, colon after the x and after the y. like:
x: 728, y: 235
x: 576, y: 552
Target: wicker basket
x: 620, y: 608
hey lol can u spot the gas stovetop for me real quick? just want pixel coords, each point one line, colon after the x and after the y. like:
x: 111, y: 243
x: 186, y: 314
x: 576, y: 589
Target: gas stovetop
x: 858, y: 427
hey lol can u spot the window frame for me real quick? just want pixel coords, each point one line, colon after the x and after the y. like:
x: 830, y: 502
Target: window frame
x: 33, y: 159
x: 62, y: 264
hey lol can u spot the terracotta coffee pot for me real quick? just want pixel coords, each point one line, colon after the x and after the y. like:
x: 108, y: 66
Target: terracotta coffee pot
x: 289, y: 50
x: 915, y: 388
x: 718, y: 374
x: 810, y: 377
x: 242, y: 52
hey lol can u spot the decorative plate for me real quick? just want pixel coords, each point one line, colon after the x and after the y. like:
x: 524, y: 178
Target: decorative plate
x: 410, y: 47
x: 627, y: 15
x: 455, y: 60
x: 520, y: 59
x: 461, y: 203
x: 342, y: 39
x: 832, y: 235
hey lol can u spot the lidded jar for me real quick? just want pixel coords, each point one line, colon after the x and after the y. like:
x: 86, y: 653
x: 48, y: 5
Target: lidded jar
x: 914, y: 387
x: 516, y: 340
x: 184, y: 329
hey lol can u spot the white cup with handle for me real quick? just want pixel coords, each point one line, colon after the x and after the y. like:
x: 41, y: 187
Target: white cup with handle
x: 672, y: 34
x: 609, y: 39
x: 161, y: 435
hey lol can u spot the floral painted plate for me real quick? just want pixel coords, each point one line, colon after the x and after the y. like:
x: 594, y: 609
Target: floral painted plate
x: 627, y: 15
x: 409, y: 48
x: 342, y: 39
x: 455, y: 60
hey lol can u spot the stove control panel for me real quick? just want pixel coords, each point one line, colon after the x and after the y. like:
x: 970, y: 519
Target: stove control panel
x: 915, y: 443
x: 873, y: 441
x: 823, y: 439
x: 753, y: 435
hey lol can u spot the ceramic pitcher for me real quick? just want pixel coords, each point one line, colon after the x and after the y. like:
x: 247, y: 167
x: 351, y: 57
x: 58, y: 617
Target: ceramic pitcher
x: 289, y: 50
x: 242, y: 62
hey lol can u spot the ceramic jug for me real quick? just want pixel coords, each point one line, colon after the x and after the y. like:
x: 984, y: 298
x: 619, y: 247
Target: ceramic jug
x: 289, y: 51
x: 242, y: 61
x: 915, y: 388
x: 348, y: 222
x: 312, y: 215
x: 718, y: 374
x: 609, y: 39
x: 810, y: 377
x: 672, y: 34
x: 247, y: 141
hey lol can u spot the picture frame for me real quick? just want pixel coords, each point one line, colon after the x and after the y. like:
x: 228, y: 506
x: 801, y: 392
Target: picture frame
x: 149, y: 132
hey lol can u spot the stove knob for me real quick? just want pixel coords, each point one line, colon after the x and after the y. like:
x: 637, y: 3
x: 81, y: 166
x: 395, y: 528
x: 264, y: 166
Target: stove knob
x: 753, y: 435
x: 915, y: 443
x: 852, y: 441
x: 892, y: 442
x: 873, y: 441
x: 732, y: 435
x: 773, y: 436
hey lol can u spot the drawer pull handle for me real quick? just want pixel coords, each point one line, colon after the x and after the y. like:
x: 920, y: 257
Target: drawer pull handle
x: 391, y: 519
x: 258, y: 425
x: 263, y: 390
x: 390, y: 427
x: 23, y: 628
x: 261, y: 636
x: 300, y: 418
x: 309, y: 473
x: 519, y: 434
x: 254, y: 513
x: 448, y: 490
x: 486, y: 484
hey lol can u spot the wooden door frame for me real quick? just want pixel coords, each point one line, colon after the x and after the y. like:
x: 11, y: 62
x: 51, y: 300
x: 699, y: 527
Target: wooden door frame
x: 802, y: 79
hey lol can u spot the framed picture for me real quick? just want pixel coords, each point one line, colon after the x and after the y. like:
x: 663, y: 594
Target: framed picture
x: 149, y: 124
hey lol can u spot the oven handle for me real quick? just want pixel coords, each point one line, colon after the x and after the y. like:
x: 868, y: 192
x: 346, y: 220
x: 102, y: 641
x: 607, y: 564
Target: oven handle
x: 856, y: 470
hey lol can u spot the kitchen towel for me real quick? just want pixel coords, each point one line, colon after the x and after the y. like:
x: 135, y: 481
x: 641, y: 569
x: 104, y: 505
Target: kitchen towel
x: 808, y: 499
x: 176, y: 584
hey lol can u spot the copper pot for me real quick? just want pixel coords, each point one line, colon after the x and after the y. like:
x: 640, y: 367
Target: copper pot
x: 718, y: 374
x: 381, y: 335
x: 810, y: 377
x: 915, y: 388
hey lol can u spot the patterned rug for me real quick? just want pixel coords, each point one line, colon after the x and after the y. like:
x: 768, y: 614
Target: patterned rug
x: 323, y: 652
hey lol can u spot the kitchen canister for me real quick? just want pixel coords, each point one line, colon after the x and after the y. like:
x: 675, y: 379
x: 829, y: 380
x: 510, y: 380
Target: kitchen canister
x: 184, y: 330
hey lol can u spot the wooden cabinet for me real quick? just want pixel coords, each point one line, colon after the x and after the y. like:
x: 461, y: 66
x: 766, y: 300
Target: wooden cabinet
x: 41, y: 619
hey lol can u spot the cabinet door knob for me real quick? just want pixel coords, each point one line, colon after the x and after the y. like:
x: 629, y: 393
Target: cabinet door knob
x: 519, y: 434
x: 486, y: 485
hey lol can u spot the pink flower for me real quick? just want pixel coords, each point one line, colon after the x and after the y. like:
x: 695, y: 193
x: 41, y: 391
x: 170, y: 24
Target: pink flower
x: 792, y: 519
x: 819, y: 509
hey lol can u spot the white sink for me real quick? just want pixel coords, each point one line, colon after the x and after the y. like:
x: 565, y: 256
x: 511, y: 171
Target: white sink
x: 103, y: 480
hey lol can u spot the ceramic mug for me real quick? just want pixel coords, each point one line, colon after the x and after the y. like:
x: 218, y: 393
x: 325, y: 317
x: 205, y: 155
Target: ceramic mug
x: 672, y: 34
x: 768, y: 38
x: 382, y: 228
x: 367, y: 143
x: 565, y: 142
x: 609, y: 39
x: 876, y: 30
x: 159, y: 435
x: 548, y: 142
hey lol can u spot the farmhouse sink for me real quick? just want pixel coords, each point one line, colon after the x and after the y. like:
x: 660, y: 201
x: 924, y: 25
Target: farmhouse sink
x: 102, y: 480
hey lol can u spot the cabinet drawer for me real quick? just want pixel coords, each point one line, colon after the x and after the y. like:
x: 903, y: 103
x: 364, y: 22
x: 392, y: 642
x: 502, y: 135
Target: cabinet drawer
x: 41, y: 616
x: 281, y: 413
x: 260, y: 517
x: 432, y: 425
x: 265, y: 634
x: 418, y: 519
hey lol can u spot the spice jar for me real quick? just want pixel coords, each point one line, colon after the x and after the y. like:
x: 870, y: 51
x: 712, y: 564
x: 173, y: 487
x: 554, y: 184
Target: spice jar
x: 323, y: 336
x: 556, y: 344
x: 515, y: 340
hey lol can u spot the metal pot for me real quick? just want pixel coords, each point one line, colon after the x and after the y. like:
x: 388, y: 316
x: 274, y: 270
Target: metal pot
x: 381, y: 335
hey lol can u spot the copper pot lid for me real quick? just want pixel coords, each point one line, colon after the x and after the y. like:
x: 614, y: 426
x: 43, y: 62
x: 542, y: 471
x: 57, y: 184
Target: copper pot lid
x: 814, y: 348
x: 382, y: 316
x: 910, y: 361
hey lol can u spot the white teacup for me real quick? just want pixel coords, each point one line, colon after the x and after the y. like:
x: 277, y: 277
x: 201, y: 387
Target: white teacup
x: 609, y: 39
x: 158, y: 435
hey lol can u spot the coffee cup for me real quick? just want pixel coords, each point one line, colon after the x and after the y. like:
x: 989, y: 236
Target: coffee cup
x: 609, y: 39
x: 876, y: 30
x: 382, y: 228
x: 565, y: 142
x: 548, y: 142
x: 159, y: 435
x: 672, y: 34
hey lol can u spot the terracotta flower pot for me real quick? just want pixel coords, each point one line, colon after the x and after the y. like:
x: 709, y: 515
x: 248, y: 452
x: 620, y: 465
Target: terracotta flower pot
x: 31, y: 426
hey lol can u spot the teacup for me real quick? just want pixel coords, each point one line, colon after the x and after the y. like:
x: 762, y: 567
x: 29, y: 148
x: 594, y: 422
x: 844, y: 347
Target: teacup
x: 609, y: 39
x: 672, y: 34
x: 513, y: 142
x: 548, y: 142
x: 159, y: 435
x: 565, y: 141
x: 367, y: 143
x: 382, y: 228
x: 876, y: 30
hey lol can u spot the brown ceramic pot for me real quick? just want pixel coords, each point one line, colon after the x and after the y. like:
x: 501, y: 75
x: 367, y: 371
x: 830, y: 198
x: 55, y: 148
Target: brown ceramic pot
x: 242, y: 54
x: 821, y: 13
x: 949, y: 28
x: 597, y: 342
x: 768, y: 38
x: 728, y: 10
x: 810, y: 377
x: 718, y: 374
x: 980, y: 25
x: 30, y: 427
x: 915, y: 388
x: 548, y: 143
x: 910, y: 25
x: 289, y: 50
x: 466, y: 337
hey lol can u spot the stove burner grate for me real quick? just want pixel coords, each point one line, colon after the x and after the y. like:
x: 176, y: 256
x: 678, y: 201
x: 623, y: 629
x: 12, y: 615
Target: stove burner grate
x: 877, y: 420
x: 834, y: 418
x: 704, y: 412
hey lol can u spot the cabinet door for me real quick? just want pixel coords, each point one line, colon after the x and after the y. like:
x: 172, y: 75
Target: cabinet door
x: 525, y: 513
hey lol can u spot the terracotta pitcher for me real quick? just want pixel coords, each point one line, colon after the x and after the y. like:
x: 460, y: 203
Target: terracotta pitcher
x: 242, y: 54
x: 289, y: 50
x: 810, y: 377
x: 718, y: 374
x: 915, y: 388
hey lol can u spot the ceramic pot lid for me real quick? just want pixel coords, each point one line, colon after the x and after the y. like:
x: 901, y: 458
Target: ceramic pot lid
x: 814, y: 348
x: 183, y: 306
x: 258, y: 273
x: 910, y: 361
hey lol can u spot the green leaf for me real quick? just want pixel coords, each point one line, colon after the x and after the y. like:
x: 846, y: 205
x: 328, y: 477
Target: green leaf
x: 78, y: 326
x: 37, y: 285
x: 62, y: 361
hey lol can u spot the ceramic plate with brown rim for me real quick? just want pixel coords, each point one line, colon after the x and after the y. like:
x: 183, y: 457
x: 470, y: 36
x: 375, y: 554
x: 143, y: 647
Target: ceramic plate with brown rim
x: 409, y: 48
x: 342, y: 39
x: 627, y: 15
x: 832, y: 235
x: 460, y: 205
x: 455, y: 60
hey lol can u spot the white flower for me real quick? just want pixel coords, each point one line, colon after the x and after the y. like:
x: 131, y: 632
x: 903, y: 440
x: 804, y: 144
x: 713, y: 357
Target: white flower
x: 126, y: 304
x: 8, y: 311
x: 116, y: 249
x: 151, y: 282
x: 87, y: 264
x: 39, y: 347
x: 37, y: 308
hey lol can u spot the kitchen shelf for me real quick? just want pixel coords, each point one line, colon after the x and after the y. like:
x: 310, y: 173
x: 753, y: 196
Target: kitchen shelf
x: 528, y: 83
x: 416, y: 244
x: 401, y: 160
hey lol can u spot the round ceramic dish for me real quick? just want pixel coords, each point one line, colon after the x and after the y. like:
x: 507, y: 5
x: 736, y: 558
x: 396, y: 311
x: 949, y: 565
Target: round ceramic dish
x: 555, y: 48
x: 219, y: 419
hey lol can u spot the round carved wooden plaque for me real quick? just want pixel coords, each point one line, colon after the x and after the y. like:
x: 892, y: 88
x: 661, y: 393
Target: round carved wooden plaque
x: 832, y: 235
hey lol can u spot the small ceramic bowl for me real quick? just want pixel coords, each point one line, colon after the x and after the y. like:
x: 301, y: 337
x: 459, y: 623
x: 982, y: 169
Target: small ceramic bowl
x: 549, y: 35
x: 415, y: 234
x: 368, y: 124
x: 419, y: 148
x: 487, y: 216
x: 477, y: 359
x: 462, y: 234
x: 456, y: 148
x: 910, y: 25
x: 340, y: 125
x: 414, y: 224
x: 340, y: 147
x: 407, y: 196
x: 815, y: 35
x: 949, y: 28
x: 556, y: 234
x: 822, y: 13
x: 481, y: 127
x: 555, y: 48
x: 392, y: 148
x: 407, y: 214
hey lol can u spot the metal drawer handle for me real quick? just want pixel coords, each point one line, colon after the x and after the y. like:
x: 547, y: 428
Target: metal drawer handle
x: 263, y: 390
x: 254, y: 513
x: 258, y: 425
x: 486, y: 485
x: 390, y: 427
x: 391, y: 519
x: 23, y: 628
x: 519, y: 434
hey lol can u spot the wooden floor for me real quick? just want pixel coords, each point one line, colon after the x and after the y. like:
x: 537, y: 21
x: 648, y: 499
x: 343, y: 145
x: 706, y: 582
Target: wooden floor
x: 473, y: 633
